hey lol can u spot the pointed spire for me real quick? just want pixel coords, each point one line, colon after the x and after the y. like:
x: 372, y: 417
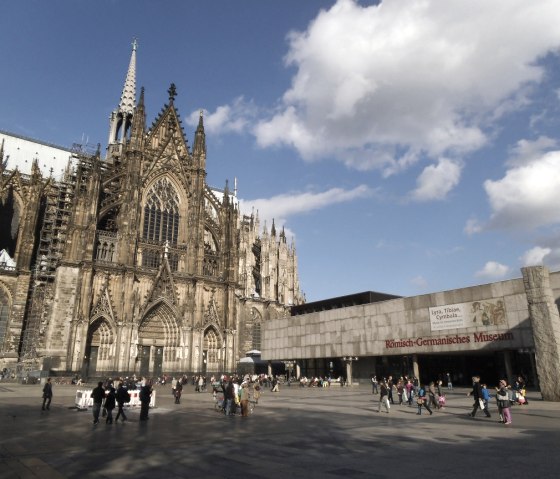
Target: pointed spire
x: 172, y: 92
x: 273, y: 229
x: 200, y: 137
x: 128, y: 96
x: 283, y: 235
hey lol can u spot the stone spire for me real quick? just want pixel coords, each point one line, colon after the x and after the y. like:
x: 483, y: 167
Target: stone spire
x: 138, y: 123
x: 128, y: 96
x: 200, y: 137
x: 121, y: 118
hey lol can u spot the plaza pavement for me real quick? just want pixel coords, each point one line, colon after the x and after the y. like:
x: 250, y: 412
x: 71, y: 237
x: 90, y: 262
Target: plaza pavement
x: 296, y: 433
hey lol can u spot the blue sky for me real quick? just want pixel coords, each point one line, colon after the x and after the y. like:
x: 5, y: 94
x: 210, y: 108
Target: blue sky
x: 408, y: 146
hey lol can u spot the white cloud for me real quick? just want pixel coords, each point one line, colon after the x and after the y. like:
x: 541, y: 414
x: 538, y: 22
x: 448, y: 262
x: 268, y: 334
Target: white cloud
x: 535, y: 256
x: 436, y: 181
x: 527, y: 196
x: 235, y: 118
x: 472, y: 227
x: 493, y: 270
x: 281, y: 207
x: 526, y: 151
x: 421, y: 77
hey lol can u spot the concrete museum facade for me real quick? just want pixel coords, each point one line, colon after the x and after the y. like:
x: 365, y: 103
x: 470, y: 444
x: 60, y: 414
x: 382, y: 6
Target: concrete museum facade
x: 495, y: 330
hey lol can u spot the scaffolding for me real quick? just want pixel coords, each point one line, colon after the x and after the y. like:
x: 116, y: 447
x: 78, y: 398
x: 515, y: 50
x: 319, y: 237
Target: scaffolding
x: 58, y: 208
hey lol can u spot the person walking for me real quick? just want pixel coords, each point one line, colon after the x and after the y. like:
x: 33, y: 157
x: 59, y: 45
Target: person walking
x: 476, y: 393
x: 383, y: 397
x: 432, y: 396
x: 123, y: 396
x: 110, y: 402
x: 244, y: 399
x: 98, y: 394
x: 449, y: 382
x: 47, y: 395
x: 504, y: 406
x: 390, y: 389
x: 409, y: 387
x: 374, y: 384
x: 229, y: 395
x: 178, y: 392
x: 145, y: 396
x: 421, y: 400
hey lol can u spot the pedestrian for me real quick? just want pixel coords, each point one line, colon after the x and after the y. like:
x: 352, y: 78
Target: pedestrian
x: 229, y: 395
x: 178, y: 392
x: 244, y: 399
x: 145, y: 396
x: 98, y: 394
x: 374, y: 384
x: 400, y: 390
x: 47, y: 395
x: 503, y: 402
x: 449, y: 383
x: 432, y: 396
x: 110, y: 402
x: 485, y: 395
x: 275, y: 385
x: 383, y: 397
x: 409, y: 387
x: 478, y: 400
x: 390, y: 389
x: 123, y: 396
x: 421, y: 400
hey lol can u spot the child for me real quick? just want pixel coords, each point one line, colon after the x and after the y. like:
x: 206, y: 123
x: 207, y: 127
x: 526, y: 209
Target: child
x: 485, y: 396
x: 441, y: 400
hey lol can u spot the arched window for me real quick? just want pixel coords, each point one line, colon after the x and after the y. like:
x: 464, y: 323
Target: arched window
x: 161, y: 213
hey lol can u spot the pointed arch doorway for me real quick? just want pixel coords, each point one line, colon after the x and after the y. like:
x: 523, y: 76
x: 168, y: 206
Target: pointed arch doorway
x: 158, y: 340
x: 212, y: 351
x: 98, y: 355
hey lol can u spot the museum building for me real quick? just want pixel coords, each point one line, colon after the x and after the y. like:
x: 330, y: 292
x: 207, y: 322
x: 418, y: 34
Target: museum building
x: 497, y: 330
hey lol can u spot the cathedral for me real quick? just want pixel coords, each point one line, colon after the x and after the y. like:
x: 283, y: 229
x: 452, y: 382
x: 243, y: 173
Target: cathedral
x: 131, y: 263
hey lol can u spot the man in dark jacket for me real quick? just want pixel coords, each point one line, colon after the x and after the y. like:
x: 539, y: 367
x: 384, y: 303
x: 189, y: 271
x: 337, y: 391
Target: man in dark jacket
x: 110, y: 402
x: 229, y: 395
x: 98, y: 394
x: 123, y: 396
x: 477, y: 395
x: 145, y: 396
x: 47, y: 394
x: 178, y: 392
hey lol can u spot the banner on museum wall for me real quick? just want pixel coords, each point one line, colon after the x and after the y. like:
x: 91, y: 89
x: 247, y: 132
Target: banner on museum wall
x: 488, y: 312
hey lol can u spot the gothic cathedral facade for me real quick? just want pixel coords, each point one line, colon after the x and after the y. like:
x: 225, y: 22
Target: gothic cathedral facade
x: 132, y: 263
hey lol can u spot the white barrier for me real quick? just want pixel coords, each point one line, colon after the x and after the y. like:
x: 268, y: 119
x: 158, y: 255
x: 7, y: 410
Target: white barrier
x: 84, y: 400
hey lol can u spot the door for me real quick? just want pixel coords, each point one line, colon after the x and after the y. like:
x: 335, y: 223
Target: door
x: 144, y: 360
x: 158, y: 362
x: 92, y: 365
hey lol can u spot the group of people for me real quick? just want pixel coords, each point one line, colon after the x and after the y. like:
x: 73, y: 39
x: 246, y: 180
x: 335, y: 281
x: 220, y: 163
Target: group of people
x: 106, y: 398
x: 431, y: 396
x: 236, y: 393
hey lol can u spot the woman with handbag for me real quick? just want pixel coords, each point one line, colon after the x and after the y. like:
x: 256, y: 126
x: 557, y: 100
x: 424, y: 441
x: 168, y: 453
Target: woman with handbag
x: 421, y: 400
x: 503, y: 402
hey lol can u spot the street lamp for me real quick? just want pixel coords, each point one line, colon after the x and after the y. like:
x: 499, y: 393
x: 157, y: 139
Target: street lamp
x: 289, y: 366
x: 349, y: 360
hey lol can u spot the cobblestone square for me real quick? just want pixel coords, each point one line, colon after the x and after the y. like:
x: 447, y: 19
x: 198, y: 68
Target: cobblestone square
x: 296, y: 433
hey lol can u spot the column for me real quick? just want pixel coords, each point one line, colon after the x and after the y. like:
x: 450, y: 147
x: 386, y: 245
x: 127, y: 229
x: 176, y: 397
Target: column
x: 545, y: 321
x: 349, y: 373
x: 415, y: 368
